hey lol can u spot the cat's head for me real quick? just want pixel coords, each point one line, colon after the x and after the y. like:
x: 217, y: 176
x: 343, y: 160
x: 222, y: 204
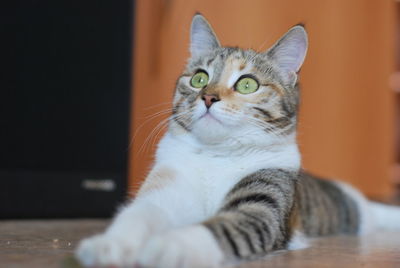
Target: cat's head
x: 233, y: 95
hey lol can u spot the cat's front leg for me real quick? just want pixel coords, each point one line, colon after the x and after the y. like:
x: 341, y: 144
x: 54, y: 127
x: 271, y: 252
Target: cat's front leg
x: 190, y: 247
x: 153, y: 211
x: 119, y: 244
x: 254, y: 219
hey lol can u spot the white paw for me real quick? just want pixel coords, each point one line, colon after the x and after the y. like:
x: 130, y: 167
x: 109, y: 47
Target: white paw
x: 192, y: 247
x: 107, y: 250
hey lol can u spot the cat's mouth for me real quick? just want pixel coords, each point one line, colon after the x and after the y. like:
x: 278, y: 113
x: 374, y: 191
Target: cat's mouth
x: 208, y: 116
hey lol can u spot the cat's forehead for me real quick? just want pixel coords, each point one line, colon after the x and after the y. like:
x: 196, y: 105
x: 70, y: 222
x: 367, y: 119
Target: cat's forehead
x: 224, y: 55
x: 227, y: 64
x: 234, y: 67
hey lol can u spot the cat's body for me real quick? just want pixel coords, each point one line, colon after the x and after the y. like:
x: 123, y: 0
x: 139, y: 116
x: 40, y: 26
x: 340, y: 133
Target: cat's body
x: 227, y: 182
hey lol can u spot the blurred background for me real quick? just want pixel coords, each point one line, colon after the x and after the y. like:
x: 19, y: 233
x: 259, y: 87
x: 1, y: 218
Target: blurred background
x: 94, y: 81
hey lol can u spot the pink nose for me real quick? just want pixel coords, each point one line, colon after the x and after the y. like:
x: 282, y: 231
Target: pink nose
x: 209, y: 99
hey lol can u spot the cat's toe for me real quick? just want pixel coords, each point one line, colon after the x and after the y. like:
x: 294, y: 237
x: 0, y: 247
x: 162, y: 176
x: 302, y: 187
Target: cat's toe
x: 106, y: 251
x: 192, y: 247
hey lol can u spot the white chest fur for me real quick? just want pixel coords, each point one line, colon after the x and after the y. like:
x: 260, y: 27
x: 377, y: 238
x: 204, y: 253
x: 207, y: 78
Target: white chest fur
x: 207, y: 175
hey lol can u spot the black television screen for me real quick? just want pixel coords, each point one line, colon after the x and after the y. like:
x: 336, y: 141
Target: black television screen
x: 65, y: 119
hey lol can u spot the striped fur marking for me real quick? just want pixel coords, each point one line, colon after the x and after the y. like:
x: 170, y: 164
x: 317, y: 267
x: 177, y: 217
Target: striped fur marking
x: 255, y: 216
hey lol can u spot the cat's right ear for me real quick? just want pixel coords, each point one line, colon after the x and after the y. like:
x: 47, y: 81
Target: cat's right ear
x: 202, y: 37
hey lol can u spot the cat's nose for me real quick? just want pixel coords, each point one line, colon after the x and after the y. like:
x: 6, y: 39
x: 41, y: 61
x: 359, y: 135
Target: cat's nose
x: 209, y: 99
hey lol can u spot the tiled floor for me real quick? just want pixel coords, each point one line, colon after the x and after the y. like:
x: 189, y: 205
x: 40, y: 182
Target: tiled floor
x: 42, y: 244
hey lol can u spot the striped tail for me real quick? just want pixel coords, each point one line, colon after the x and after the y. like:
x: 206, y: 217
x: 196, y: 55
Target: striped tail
x: 385, y: 216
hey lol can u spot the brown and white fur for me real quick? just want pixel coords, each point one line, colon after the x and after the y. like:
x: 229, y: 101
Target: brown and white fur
x: 227, y: 183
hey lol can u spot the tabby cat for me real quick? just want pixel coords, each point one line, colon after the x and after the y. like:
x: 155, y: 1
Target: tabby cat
x: 227, y: 183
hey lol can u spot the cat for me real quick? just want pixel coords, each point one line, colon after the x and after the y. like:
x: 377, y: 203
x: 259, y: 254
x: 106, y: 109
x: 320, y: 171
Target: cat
x: 227, y: 183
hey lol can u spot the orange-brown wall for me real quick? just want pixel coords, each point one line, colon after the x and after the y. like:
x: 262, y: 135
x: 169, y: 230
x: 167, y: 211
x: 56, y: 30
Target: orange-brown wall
x: 346, y: 122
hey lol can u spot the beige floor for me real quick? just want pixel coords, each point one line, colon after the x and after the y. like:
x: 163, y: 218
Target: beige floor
x: 42, y: 244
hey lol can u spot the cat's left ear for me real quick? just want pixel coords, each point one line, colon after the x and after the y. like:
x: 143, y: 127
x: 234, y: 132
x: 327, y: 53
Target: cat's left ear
x: 202, y: 37
x: 289, y: 52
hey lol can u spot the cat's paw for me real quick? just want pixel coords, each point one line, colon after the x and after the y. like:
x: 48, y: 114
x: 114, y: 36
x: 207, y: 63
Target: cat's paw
x: 192, y: 247
x: 107, y: 250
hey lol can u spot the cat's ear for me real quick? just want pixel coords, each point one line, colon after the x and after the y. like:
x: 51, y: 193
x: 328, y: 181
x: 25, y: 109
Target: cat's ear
x: 202, y: 37
x: 289, y: 52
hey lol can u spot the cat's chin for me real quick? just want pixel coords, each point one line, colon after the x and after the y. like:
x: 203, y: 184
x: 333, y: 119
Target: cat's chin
x: 209, y: 130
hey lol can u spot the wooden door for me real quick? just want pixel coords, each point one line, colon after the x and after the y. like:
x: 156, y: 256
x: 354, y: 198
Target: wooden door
x: 346, y: 120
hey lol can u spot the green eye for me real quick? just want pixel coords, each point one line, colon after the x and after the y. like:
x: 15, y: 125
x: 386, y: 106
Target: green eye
x: 199, y: 80
x: 246, y: 85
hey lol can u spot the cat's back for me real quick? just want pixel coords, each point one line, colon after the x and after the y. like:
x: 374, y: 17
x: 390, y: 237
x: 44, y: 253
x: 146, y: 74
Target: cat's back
x: 325, y: 207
